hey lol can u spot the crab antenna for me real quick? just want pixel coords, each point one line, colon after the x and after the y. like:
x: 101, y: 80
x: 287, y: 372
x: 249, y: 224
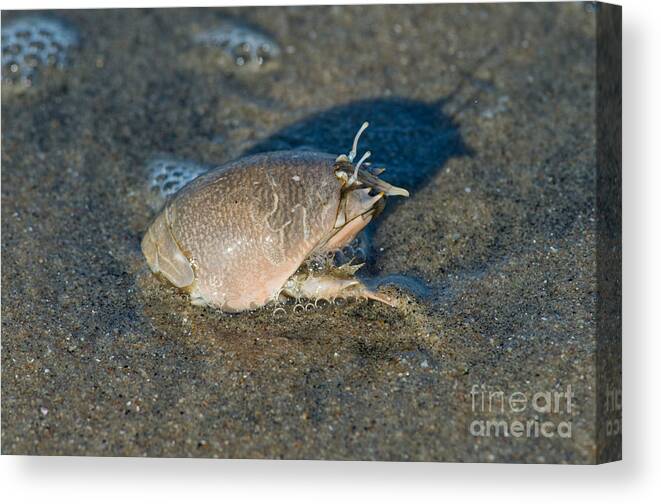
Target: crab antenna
x: 352, y: 154
x: 362, y: 160
x: 354, y: 177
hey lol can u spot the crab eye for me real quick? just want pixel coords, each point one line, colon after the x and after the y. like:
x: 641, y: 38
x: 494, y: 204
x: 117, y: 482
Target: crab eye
x: 342, y: 176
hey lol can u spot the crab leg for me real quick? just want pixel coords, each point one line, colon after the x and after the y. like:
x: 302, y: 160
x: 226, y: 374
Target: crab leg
x: 379, y: 185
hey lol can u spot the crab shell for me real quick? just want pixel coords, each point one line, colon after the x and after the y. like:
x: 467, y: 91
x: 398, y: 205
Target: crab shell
x: 234, y: 236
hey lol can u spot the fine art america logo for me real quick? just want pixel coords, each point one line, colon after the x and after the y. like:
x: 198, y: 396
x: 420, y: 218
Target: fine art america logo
x: 497, y: 413
x: 613, y: 411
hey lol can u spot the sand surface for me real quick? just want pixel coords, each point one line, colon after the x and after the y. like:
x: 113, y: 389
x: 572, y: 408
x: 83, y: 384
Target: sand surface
x: 485, y: 113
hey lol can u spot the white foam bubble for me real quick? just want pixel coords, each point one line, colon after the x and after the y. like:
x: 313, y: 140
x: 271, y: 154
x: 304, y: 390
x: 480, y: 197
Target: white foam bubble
x: 32, y: 43
x: 245, y: 46
x: 167, y: 175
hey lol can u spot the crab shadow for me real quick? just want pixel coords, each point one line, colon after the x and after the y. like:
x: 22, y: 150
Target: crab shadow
x: 411, y: 139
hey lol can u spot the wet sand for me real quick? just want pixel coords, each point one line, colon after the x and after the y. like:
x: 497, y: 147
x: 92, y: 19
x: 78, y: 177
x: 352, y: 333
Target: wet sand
x: 484, y: 112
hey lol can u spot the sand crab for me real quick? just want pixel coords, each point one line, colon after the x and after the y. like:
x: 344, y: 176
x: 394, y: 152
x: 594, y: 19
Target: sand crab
x: 237, y: 237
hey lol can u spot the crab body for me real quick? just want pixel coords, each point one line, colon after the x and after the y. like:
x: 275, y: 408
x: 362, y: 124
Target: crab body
x: 235, y: 238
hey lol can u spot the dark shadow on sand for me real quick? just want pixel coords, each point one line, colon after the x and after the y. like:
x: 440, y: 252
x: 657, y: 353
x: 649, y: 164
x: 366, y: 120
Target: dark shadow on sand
x: 412, y: 139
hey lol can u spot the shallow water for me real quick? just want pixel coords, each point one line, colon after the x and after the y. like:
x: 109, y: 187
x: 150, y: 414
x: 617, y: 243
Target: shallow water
x: 481, y: 111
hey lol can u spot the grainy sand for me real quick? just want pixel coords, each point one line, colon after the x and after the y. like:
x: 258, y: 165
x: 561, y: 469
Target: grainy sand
x: 485, y: 113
